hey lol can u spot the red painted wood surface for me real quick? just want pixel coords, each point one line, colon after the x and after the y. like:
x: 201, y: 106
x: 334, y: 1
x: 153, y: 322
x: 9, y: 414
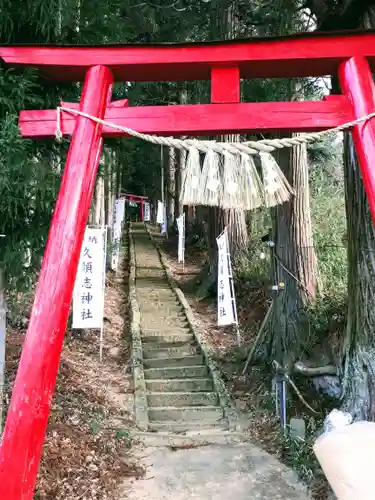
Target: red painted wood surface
x: 122, y: 103
x: 311, y: 54
x: 357, y: 82
x: 209, y: 119
x: 27, y: 418
x: 124, y: 195
x: 225, y: 85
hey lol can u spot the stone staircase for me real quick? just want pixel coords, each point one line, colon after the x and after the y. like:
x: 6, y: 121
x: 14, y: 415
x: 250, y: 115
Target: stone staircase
x: 181, y: 393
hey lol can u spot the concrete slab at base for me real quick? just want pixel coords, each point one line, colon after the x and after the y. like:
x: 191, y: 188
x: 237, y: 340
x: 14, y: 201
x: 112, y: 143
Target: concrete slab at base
x: 216, y: 472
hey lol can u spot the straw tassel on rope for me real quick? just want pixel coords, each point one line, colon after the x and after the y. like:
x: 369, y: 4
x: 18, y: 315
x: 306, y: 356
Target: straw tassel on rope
x: 252, y: 191
x: 190, y: 189
x: 210, y: 186
x: 231, y: 187
x: 277, y: 189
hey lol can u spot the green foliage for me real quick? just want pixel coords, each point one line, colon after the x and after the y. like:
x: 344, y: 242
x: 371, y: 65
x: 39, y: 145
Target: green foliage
x: 298, y: 453
x: 27, y: 182
x: 329, y: 223
x: 253, y: 267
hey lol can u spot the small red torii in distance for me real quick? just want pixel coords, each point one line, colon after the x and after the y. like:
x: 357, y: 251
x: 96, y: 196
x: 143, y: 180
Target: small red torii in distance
x: 137, y: 199
x: 349, y: 55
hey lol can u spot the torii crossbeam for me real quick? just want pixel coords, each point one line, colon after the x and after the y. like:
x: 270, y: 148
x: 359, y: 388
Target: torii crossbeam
x: 351, y: 56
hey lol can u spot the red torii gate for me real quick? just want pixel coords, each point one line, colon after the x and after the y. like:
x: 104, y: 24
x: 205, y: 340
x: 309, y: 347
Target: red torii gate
x: 137, y: 199
x: 351, y: 55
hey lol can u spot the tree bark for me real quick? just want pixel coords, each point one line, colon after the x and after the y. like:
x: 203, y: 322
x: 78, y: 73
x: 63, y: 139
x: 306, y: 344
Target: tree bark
x: 294, y: 262
x: 2, y: 344
x: 359, y: 340
x: 118, y: 180
x: 99, y: 201
x: 358, y: 346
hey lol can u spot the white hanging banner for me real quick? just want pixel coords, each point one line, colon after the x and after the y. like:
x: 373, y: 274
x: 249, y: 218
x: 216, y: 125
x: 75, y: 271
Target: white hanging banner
x: 160, y: 213
x: 147, y: 212
x: 181, y: 237
x: 118, y: 219
x: 118, y: 212
x: 88, y: 294
x: 164, y: 223
x: 226, y: 301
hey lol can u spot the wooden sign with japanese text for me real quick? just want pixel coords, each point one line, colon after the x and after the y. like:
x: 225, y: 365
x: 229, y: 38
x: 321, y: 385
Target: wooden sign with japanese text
x: 88, y: 295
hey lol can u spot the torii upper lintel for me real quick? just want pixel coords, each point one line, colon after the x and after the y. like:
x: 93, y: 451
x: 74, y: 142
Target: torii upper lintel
x: 301, y: 55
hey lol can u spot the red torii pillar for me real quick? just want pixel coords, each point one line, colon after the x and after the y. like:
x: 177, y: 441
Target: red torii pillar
x: 29, y: 409
x: 357, y: 83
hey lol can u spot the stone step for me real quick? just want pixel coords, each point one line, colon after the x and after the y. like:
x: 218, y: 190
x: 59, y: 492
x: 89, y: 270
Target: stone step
x: 160, y: 329
x: 182, y: 399
x: 156, y: 305
x: 160, y: 314
x: 169, y: 321
x: 162, y: 325
x: 176, y: 372
x: 180, y: 385
x: 152, y: 293
x: 166, y: 300
x: 149, y: 283
x: 179, y: 389
x: 181, y: 427
x: 167, y: 338
x: 161, y: 296
x: 166, y: 345
x: 152, y: 286
x: 174, y: 361
x: 153, y: 289
x: 186, y: 413
x: 166, y: 352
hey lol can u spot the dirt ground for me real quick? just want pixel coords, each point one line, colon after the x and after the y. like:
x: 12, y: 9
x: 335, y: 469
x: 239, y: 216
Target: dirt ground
x: 87, y: 453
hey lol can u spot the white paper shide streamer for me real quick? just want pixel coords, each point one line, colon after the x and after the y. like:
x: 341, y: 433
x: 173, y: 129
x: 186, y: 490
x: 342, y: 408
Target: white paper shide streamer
x: 88, y: 295
x: 118, y: 219
x: 226, y: 301
x: 181, y: 238
x: 160, y: 213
